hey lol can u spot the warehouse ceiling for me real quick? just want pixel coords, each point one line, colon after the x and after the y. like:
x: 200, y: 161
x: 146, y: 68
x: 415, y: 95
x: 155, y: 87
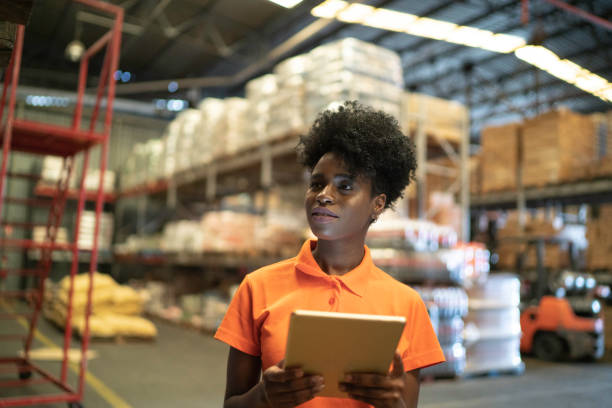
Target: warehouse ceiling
x: 231, y: 41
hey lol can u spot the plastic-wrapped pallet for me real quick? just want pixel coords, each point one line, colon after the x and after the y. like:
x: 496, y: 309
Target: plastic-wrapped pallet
x: 86, y: 231
x: 51, y: 169
x: 182, y: 236
x: 189, y: 140
x: 170, y: 156
x: 154, y: 155
x: 92, y: 181
x: 493, y: 329
x: 288, y: 104
x: 235, y: 121
x: 452, y: 306
x: 355, y: 70
x: 210, y: 136
x: 259, y: 93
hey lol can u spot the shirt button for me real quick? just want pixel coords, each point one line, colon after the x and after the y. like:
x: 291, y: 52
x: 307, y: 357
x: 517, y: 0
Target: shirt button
x: 332, y: 300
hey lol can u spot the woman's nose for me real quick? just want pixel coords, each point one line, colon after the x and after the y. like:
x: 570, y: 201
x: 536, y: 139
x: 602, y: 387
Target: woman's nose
x: 325, y: 196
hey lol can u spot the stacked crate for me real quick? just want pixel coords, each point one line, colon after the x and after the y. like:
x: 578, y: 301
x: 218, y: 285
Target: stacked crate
x: 557, y: 147
x: 599, y: 237
x: 500, y: 157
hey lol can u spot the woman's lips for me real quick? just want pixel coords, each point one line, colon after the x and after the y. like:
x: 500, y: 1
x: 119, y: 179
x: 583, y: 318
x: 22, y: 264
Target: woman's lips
x: 323, y: 215
x: 323, y: 219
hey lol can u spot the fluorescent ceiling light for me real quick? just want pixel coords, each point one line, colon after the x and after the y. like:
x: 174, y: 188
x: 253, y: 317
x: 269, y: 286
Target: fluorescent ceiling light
x: 504, y: 43
x: 591, y: 83
x: 355, y: 13
x: 428, y: 27
x: 566, y: 70
x: 286, y: 3
x: 536, y: 55
x: 470, y: 36
x: 329, y: 8
x: 389, y: 20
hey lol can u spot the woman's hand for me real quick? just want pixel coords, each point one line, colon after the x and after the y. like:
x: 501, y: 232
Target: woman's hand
x: 379, y: 390
x: 289, y: 387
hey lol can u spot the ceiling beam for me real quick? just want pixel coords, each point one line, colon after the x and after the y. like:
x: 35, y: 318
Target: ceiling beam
x: 181, y: 29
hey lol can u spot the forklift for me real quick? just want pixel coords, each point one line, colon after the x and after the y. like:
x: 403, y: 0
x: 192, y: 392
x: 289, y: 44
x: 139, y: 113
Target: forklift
x: 560, y: 317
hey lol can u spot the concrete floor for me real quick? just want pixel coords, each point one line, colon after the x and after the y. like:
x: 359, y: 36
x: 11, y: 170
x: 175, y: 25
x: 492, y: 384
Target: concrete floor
x: 187, y: 369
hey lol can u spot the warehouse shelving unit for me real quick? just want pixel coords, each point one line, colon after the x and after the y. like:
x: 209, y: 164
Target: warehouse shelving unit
x: 591, y: 191
x: 46, y: 139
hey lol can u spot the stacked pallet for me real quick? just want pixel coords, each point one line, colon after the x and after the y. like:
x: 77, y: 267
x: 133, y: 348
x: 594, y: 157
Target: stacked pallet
x: 599, y: 236
x: 557, y: 147
x: 500, y: 157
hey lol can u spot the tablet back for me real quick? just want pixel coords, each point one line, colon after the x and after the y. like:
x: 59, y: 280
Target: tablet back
x: 332, y: 344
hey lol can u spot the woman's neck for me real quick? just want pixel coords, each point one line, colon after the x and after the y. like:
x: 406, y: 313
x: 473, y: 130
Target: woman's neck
x: 337, y: 257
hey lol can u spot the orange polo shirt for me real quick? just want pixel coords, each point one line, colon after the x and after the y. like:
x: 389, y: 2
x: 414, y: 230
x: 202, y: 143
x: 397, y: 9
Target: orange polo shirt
x: 257, y: 320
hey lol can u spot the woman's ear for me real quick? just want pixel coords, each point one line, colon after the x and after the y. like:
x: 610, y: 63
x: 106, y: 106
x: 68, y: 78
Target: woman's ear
x: 379, y: 204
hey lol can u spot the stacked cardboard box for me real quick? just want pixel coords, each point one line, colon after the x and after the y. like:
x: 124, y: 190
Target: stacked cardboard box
x: 500, y: 157
x: 599, y: 237
x: 602, y: 160
x: 439, y: 117
x: 539, y: 224
x: 557, y: 147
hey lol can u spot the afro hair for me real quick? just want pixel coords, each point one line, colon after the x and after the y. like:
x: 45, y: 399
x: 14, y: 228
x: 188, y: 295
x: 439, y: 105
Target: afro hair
x: 369, y: 142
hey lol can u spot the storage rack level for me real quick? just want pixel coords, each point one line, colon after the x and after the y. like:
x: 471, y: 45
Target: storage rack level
x: 570, y: 193
x: 46, y: 139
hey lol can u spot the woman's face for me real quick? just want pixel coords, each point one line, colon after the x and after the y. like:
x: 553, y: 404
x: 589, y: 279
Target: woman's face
x: 338, y: 204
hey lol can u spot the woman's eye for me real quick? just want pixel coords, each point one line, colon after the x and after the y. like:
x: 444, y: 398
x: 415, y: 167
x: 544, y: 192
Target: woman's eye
x: 346, y: 187
x: 315, y: 185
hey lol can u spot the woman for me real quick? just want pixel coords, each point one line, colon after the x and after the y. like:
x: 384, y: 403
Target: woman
x: 360, y: 163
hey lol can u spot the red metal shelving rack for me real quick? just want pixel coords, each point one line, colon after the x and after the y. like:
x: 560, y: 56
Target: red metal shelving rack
x: 46, y: 139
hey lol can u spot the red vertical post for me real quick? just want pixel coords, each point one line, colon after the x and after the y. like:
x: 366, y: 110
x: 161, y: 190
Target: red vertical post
x: 10, y: 117
x: 78, y: 110
x: 114, y: 63
x: 524, y: 11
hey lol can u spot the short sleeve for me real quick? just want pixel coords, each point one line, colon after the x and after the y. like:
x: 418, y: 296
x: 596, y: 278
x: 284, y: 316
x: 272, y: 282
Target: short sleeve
x: 419, y: 345
x: 238, y: 327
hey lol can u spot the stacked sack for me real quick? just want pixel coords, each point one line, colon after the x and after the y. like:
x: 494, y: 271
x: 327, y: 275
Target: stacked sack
x: 350, y: 69
x: 451, y: 305
x: 115, y: 308
x: 209, y: 137
x: 259, y: 94
x: 288, y: 104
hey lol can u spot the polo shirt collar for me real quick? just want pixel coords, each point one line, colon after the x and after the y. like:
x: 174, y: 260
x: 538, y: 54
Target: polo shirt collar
x: 356, y: 280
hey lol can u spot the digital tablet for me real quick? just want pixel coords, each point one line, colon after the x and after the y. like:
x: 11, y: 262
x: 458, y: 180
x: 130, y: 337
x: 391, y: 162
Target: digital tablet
x: 333, y: 344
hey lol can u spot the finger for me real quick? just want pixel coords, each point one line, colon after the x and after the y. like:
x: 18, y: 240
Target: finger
x: 299, y: 384
x: 277, y: 374
x: 398, y: 365
x: 369, y: 380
